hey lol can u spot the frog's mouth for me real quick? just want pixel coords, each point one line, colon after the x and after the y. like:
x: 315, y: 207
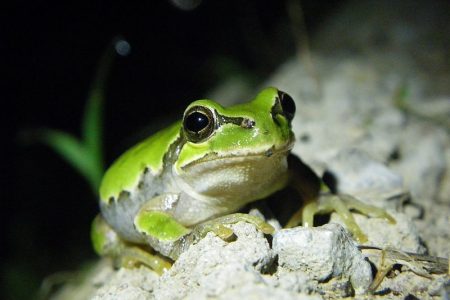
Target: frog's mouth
x: 272, y: 151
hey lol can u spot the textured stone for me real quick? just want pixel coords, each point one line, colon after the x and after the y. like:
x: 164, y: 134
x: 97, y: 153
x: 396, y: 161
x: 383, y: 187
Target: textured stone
x: 322, y: 253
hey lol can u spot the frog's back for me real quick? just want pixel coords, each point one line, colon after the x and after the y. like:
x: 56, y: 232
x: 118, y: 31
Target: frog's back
x: 146, y: 157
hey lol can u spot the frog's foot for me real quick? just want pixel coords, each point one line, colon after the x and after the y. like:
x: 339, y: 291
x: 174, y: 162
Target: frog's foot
x: 217, y: 226
x: 341, y: 204
x: 131, y: 256
x: 366, y: 209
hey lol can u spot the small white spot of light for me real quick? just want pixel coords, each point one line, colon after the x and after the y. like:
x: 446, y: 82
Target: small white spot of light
x: 122, y: 47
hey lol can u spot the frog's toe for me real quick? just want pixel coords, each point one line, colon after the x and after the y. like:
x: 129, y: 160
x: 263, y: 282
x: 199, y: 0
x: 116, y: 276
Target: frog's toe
x: 263, y: 226
x: 217, y: 226
x: 212, y: 226
x: 342, y: 204
x: 132, y: 256
x: 334, y: 203
x: 366, y: 209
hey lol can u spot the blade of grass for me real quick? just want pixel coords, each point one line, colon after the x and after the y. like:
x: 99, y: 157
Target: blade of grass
x: 92, y: 131
x: 73, y: 151
x: 85, y: 154
x: 92, y: 128
x: 92, y: 124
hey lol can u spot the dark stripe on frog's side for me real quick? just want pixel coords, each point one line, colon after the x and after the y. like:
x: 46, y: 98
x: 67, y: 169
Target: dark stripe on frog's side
x: 174, y: 150
x: 239, y: 121
x: 275, y: 110
x: 169, y: 158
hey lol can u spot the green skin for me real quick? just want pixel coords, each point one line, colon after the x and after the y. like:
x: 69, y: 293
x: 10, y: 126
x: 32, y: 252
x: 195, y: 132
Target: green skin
x: 174, y: 187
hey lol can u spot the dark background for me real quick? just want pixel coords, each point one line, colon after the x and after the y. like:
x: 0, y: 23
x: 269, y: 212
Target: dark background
x: 50, y: 50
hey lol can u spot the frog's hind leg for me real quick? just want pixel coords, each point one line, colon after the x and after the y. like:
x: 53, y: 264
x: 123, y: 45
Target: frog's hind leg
x: 304, y: 216
x: 329, y: 203
x: 342, y: 204
x: 366, y: 209
x: 325, y: 204
x: 317, y: 199
x: 106, y: 242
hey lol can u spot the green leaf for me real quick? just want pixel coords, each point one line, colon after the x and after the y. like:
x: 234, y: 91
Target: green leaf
x: 73, y: 151
x: 92, y: 128
x: 86, y: 154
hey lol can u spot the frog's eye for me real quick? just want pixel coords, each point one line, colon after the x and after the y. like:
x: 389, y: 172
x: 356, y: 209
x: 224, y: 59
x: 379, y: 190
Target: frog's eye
x: 198, y: 123
x: 287, y: 104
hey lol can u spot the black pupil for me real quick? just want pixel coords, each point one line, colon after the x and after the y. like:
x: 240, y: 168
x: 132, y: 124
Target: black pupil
x: 288, y: 104
x: 196, y: 121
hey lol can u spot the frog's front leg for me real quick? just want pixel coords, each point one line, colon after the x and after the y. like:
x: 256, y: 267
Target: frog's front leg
x: 309, y: 186
x: 170, y: 238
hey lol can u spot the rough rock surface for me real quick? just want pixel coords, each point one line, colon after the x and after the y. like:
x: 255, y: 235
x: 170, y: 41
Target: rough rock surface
x: 323, y: 252
x: 206, y: 267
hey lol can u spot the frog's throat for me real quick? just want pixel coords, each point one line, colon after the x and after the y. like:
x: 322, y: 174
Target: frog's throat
x: 229, y: 182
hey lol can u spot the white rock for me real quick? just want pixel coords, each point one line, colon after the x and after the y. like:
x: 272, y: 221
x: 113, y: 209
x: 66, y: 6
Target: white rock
x: 214, y: 266
x: 293, y: 281
x: 423, y: 162
x: 263, y: 292
x: 323, y: 252
x: 133, y: 284
x: 357, y: 172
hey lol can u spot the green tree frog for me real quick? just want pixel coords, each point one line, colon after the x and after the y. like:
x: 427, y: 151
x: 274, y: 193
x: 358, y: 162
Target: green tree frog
x: 192, y: 177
